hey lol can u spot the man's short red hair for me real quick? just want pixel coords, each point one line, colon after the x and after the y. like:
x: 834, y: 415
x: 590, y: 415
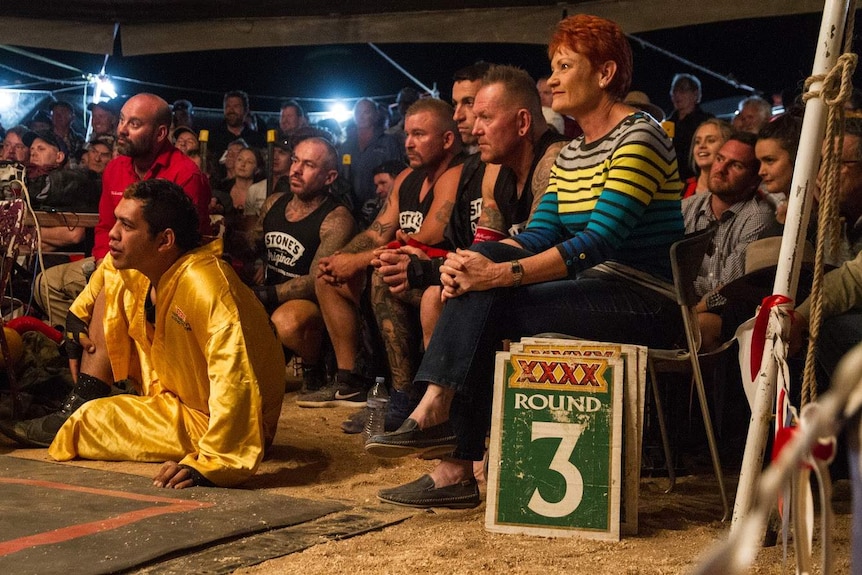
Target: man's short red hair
x: 599, y: 40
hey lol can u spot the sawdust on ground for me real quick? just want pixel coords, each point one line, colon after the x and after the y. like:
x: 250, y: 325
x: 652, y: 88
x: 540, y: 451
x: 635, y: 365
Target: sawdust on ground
x: 313, y: 459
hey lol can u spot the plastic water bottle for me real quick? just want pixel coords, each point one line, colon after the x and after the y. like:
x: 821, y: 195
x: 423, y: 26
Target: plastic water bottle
x: 377, y: 401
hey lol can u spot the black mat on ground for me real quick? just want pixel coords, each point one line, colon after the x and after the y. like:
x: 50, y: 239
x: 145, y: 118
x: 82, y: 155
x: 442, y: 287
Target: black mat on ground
x: 69, y: 520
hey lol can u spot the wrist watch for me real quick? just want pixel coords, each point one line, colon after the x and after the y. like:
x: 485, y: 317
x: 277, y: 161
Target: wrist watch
x: 517, y: 273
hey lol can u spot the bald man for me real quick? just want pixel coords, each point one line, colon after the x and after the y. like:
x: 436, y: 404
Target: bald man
x: 146, y: 152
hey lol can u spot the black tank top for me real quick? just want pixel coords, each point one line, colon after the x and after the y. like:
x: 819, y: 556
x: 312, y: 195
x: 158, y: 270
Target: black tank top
x: 290, y: 246
x: 516, y: 210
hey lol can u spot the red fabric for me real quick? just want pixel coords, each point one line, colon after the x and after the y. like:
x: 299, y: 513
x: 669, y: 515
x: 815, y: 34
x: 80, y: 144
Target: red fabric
x: 488, y: 235
x: 432, y: 252
x: 758, y: 336
x: 27, y: 323
x: 170, y: 164
x: 690, y: 188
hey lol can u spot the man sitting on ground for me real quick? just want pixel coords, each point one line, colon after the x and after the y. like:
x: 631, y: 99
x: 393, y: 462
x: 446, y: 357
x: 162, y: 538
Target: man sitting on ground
x: 164, y: 314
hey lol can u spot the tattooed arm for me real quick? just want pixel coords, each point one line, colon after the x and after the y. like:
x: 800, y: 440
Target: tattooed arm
x: 491, y: 217
x: 542, y: 174
x: 335, y: 231
x: 445, y: 193
x: 344, y: 264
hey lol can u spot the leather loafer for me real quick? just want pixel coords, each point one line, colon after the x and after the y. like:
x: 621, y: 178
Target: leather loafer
x: 408, y: 439
x: 422, y: 493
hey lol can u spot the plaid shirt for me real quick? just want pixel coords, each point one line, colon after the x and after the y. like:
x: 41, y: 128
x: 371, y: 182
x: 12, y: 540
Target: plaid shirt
x: 740, y: 224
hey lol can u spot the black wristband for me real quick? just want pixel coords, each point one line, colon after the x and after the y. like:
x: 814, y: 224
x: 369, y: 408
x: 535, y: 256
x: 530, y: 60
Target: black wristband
x: 424, y: 273
x: 197, y: 477
x: 75, y: 328
x: 416, y: 277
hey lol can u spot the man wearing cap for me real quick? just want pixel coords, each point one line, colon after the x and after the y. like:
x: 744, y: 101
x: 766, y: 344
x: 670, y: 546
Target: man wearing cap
x: 41, y: 121
x: 103, y: 117
x: 99, y: 151
x: 185, y: 140
x: 406, y: 97
x: 62, y: 114
x: 183, y: 114
x: 53, y: 186
x: 639, y: 100
x: 145, y: 153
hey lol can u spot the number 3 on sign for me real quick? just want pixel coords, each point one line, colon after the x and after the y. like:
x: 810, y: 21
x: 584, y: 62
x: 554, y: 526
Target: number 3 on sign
x: 568, y: 433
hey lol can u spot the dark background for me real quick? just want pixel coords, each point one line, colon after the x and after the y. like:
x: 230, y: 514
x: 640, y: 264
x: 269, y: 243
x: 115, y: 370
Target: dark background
x: 771, y: 55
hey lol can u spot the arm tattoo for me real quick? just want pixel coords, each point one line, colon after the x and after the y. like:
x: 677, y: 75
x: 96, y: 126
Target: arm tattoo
x: 445, y: 212
x: 491, y: 217
x: 335, y: 230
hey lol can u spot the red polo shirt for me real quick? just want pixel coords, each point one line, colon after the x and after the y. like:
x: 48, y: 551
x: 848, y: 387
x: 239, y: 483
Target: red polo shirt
x: 171, y: 164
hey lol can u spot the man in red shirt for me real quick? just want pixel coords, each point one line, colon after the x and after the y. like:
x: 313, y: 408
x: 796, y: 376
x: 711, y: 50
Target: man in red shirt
x: 145, y: 153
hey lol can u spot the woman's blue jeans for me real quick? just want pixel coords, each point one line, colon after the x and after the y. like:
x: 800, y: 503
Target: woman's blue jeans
x: 471, y: 328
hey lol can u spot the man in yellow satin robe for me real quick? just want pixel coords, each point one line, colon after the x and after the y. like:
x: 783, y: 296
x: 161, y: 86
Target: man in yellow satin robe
x: 176, y: 319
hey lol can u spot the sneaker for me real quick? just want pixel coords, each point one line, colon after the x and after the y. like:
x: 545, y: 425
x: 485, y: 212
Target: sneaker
x: 323, y: 397
x: 313, y: 378
x: 355, y: 422
x: 347, y: 395
x: 333, y: 396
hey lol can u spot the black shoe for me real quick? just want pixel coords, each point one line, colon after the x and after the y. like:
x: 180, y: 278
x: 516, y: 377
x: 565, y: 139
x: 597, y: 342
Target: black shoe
x: 408, y: 439
x: 401, y: 405
x: 313, y: 378
x: 40, y: 432
x: 355, y: 423
x: 422, y: 493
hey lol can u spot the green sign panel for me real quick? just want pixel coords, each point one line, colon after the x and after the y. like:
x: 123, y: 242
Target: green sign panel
x: 556, y: 442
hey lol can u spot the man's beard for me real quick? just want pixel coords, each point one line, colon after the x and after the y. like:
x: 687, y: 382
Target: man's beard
x: 131, y: 149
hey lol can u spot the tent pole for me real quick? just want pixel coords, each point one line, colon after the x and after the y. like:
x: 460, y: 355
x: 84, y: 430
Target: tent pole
x: 433, y: 91
x: 726, y: 79
x: 829, y: 45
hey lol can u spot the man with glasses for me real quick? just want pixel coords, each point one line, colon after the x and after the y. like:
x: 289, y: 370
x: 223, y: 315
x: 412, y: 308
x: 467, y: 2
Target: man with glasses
x: 849, y: 192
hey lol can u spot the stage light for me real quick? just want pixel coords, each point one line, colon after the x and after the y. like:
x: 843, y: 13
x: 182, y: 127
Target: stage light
x: 339, y: 111
x: 7, y: 100
x: 104, y: 88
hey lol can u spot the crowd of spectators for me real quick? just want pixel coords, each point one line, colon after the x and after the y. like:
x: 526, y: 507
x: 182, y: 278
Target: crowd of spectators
x: 353, y: 236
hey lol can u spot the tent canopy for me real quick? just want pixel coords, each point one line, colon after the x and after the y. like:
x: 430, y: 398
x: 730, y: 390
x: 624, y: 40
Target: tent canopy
x: 167, y: 26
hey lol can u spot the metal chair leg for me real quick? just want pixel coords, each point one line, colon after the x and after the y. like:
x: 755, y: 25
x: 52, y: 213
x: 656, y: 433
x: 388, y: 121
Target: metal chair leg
x: 710, y: 435
x: 665, y: 441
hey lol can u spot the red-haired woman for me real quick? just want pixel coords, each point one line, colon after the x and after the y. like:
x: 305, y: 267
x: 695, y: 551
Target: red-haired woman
x: 602, y: 230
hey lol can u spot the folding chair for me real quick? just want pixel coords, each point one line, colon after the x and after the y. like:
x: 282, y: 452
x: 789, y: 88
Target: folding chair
x: 12, y: 235
x: 686, y: 257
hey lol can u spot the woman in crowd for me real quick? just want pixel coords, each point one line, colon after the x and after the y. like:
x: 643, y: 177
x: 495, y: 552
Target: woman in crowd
x: 227, y: 162
x: 613, y: 199
x: 234, y: 198
x: 776, y: 148
x: 708, y: 139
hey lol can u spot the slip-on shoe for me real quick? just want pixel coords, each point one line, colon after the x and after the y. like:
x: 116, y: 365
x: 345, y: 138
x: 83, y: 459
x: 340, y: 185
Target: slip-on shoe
x: 431, y: 443
x: 422, y: 493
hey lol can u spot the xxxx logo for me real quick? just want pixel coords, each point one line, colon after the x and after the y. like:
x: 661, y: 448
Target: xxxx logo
x: 557, y: 373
